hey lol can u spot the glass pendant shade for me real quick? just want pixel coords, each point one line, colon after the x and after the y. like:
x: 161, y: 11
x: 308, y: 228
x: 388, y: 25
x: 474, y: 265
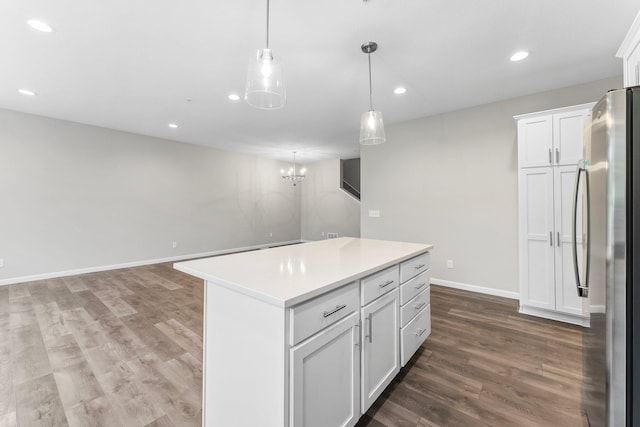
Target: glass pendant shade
x: 372, y: 128
x: 265, y: 82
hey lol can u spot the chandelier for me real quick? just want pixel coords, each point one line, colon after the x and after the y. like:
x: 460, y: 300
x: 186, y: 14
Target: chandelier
x: 293, y: 175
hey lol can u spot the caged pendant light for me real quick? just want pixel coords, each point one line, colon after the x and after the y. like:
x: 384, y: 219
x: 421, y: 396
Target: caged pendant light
x: 265, y: 79
x: 371, y: 125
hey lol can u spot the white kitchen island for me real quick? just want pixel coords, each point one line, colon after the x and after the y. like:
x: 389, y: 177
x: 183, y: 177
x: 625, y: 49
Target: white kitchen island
x: 309, y: 334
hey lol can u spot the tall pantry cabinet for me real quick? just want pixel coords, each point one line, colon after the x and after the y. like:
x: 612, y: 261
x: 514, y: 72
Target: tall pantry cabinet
x: 549, y: 148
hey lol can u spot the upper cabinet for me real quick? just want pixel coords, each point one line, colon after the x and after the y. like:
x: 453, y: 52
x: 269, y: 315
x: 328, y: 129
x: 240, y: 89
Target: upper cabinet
x: 551, y: 138
x: 630, y: 53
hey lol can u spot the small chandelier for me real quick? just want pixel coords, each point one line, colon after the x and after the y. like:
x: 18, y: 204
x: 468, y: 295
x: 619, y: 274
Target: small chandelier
x: 265, y: 79
x: 371, y: 125
x: 292, y: 175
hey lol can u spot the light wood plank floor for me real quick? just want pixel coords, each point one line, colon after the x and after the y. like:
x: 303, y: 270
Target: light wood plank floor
x: 124, y: 348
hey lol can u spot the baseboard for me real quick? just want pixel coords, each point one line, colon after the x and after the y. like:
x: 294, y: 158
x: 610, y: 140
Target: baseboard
x: 478, y: 289
x: 44, y: 276
x: 552, y: 315
x: 597, y: 309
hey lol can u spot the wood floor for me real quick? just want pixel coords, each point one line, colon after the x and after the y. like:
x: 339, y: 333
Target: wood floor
x: 124, y: 348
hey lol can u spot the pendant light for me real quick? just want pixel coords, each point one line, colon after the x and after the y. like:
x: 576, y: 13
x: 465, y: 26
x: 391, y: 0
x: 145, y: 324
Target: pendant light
x: 265, y: 79
x: 371, y: 125
x: 292, y: 175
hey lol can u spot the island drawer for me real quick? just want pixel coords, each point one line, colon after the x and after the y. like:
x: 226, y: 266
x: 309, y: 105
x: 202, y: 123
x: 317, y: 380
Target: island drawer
x: 413, y: 335
x: 413, y: 307
x: 414, y: 286
x: 314, y: 315
x: 414, y: 266
x: 379, y: 284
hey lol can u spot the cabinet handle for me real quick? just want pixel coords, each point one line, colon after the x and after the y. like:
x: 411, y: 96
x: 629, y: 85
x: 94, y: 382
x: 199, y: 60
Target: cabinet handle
x: 420, y: 332
x: 550, y: 159
x: 418, y: 267
x: 334, y: 311
x: 418, y: 307
x: 551, y: 238
x: 370, y: 318
x: 387, y: 283
x: 557, y: 155
x: 421, y: 285
x: 558, y: 241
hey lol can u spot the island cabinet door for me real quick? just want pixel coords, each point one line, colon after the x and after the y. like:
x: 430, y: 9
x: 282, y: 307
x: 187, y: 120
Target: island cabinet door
x: 380, y: 346
x: 325, y: 377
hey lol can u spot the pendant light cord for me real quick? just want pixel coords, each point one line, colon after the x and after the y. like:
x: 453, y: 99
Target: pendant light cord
x: 370, y: 85
x: 267, y: 24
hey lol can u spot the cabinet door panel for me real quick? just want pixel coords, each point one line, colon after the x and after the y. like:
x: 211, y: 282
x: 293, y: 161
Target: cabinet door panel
x: 567, y: 138
x: 535, y: 139
x: 567, y: 299
x: 325, y: 373
x: 380, y: 346
x: 536, y: 231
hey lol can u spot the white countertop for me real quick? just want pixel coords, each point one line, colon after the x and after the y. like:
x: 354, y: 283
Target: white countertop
x: 287, y: 275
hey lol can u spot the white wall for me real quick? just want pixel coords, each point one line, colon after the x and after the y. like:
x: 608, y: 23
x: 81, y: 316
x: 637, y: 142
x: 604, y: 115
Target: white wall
x: 451, y: 180
x: 325, y: 206
x: 76, y: 197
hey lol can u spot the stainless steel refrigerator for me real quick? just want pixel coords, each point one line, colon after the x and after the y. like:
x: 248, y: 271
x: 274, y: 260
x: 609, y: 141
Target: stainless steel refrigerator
x: 607, y: 215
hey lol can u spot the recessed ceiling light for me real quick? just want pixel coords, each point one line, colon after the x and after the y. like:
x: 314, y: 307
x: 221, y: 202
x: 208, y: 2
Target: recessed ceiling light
x: 27, y: 92
x: 39, y: 25
x: 400, y: 90
x: 519, y: 56
x: 173, y: 125
x: 234, y: 97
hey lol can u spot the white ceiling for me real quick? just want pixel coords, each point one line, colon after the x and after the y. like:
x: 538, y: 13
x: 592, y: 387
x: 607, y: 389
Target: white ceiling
x: 132, y: 65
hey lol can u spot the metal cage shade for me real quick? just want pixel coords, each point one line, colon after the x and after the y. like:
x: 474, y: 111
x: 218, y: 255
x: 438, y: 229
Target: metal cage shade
x: 265, y: 82
x: 372, y: 128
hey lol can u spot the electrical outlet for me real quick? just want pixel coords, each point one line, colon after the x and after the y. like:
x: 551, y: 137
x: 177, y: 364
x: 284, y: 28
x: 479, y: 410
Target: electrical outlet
x: 449, y: 263
x: 1, y: 262
x: 374, y: 213
x: 174, y: 245
x: 323, y: 234
x: 332, y: 235
x: 270, y: 234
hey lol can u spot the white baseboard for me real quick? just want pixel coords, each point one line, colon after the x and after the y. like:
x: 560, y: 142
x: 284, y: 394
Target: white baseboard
x: 14, y: 280
x: 478, y: 289
x: 597, y: 309
x: 553, y: 315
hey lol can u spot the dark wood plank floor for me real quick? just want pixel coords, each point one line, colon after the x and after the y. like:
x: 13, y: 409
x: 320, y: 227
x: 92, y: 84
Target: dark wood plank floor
x: 124, y: 348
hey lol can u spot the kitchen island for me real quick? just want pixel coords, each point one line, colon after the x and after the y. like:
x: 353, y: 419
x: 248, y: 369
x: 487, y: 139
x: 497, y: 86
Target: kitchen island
x: 309, y: 334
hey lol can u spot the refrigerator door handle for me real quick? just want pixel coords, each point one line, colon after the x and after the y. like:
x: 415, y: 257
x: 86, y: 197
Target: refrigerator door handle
x: 583, y: 289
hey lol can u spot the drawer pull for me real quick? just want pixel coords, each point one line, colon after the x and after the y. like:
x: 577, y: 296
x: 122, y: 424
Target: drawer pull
x: 387, y: 283
x: 420, y: 332
x: 418, y: 267
x: 419, y: 306
x: 421, y: 285
x: 334, y: 311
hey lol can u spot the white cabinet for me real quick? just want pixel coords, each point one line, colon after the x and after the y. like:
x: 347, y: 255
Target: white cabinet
x: 546, y: 192
x: 551, y: 139
x: 315, y: 345
x: 325, y: 373
x: 380, y: 346
x: 630, y: 53
x: 415, y: 305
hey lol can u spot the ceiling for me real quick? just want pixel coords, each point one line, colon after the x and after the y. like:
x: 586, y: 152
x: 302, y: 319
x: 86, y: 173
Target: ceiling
x: 138, y: 65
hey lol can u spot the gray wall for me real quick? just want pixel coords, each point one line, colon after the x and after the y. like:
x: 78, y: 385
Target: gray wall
x: 76, y: 196
x: 451, y: 180
x: 326, y: 207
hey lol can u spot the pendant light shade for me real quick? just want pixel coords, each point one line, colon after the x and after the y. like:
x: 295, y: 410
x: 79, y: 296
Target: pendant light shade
x: 371, y: 124
x: 265, y: 79
x: 372, y: 128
